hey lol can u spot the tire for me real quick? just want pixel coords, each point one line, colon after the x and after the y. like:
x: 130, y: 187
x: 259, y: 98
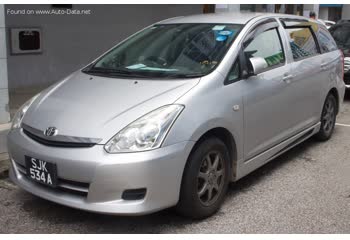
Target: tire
x: 328, y: 118
x: 200, y: 178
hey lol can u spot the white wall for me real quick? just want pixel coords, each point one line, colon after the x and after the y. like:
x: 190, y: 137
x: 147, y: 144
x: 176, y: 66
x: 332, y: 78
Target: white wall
x: 323, y: 13
x: 311, y: 7
x: 346, y: 11
x: 4, y: 98
x: 70, y: 42
x: 219, y: 8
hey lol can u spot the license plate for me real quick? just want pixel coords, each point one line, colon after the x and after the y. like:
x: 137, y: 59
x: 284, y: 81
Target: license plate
x: 41, y: 171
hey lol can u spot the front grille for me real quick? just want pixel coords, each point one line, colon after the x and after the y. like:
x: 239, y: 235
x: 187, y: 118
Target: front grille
x: 57, y: 143
x: 63, y: 185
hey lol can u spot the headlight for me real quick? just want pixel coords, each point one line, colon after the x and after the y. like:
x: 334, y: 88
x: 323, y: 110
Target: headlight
x: 17, y: 119
x: 146, y: 132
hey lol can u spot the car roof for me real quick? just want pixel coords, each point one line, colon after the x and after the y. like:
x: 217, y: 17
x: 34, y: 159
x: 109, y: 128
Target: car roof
x: 229, y: 18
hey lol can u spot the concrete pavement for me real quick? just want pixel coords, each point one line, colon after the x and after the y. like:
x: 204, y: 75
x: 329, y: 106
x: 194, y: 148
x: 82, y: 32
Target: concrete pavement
x: 4, y: 128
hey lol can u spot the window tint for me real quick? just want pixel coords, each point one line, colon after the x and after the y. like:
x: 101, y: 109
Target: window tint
x: 326, y: 41
x: 234, y: 73
x: 302, y: 42
x: 266, y: 45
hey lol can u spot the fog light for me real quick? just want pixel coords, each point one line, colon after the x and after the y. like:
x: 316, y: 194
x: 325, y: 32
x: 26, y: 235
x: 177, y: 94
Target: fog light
x: 134, y: 194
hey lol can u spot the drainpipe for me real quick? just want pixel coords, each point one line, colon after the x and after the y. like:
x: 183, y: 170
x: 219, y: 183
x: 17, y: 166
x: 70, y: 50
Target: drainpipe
x: 4, y: 94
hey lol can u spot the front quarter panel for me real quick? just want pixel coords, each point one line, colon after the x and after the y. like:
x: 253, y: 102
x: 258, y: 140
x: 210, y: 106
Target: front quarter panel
x: 209, y: 105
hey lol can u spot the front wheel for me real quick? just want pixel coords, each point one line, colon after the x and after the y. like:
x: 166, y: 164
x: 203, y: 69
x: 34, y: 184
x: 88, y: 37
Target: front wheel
x: 328, y: 118
x: 205, y: 179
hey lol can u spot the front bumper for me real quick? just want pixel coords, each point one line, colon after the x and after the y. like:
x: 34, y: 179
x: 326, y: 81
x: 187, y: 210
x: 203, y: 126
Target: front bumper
x: 106, y: 175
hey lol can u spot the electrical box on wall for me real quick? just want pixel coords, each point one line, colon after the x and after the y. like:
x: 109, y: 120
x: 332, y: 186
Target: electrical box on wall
x: 25, y: 40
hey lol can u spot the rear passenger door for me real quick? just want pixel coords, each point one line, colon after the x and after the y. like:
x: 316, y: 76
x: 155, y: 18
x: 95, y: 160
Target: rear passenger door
x: 309, y: 72
x: 331, y: 62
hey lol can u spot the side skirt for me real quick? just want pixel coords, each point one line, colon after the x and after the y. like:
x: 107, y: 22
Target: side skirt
x: 249, y: 165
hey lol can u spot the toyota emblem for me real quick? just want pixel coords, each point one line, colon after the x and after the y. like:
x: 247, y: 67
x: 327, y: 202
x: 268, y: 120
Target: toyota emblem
x: 51, y: 131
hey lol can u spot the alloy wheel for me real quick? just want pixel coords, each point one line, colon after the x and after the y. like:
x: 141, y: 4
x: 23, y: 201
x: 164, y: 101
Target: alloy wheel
x: 211, y: 178
x: 328, y: 116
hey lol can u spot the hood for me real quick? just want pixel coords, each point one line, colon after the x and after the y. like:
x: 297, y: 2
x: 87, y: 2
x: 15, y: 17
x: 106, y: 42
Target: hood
x: 99, y: 107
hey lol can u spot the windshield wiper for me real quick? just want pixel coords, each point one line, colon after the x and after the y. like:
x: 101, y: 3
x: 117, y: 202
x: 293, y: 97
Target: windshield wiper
x: 143, y: 74
x: 184, y: 75
x: 113, y: 72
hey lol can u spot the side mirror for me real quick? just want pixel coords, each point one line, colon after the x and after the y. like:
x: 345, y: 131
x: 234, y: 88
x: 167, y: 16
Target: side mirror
x: 258, y: 65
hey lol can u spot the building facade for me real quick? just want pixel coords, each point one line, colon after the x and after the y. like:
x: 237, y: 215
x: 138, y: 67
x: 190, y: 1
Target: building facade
x: 39, y: 46
x: 333, y: 12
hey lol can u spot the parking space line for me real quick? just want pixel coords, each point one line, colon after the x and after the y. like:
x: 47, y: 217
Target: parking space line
x: 343, y: 125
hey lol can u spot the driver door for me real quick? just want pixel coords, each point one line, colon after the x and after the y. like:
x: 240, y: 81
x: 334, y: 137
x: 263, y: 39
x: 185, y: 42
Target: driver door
x: 267, y: 95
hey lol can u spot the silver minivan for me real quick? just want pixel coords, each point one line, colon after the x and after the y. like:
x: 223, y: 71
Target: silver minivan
x: 178, y: 110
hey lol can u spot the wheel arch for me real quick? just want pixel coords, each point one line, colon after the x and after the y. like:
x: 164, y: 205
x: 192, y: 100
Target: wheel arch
x: 228, y: 139
x: 335, y: 93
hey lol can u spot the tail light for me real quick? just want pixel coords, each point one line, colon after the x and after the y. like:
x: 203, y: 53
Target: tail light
x: 342, y: 63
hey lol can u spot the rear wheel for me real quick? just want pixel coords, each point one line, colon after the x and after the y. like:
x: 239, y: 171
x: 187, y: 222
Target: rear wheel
x: 205, y: 179
x: 328, y: 118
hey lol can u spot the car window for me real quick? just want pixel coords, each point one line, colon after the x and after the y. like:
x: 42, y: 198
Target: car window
x: 234, y: 73
x: 302, y: 42
x: 326, y: 41
x: 266, y: 45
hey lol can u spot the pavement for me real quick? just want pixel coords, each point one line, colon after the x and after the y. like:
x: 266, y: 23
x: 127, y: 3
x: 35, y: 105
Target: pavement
x: 4, y: 129
x: 306, y: 190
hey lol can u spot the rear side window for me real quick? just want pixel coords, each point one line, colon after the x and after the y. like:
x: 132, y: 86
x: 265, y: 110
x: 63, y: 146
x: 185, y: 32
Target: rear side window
x: 326, y: 41
x: 302, y: 42
x: 266, y: 45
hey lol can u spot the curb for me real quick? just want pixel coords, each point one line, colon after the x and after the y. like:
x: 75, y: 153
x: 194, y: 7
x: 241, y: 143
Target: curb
x: 4, y: 129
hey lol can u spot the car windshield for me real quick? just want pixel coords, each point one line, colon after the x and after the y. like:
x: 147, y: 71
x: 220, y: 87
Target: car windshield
x: 169, y: 51
x: 341, y: 35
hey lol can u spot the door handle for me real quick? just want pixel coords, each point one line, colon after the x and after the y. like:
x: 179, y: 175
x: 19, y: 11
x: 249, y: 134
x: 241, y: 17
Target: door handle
x: 324, y: 66
x: 287, y: 78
